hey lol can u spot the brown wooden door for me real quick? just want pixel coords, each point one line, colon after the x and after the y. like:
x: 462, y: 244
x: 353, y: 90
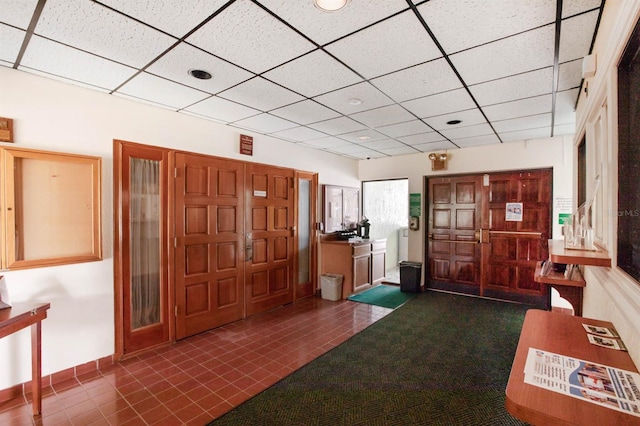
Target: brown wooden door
x: 464, y: 209
x: 209, y: 254
x: 269, y: 229
x: 454, y: 219
x: 143, y: 304
x: 518, y: 238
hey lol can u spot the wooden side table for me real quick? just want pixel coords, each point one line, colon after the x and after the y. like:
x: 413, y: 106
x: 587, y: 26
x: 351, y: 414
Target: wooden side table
x: 564, y: 335
x: 19, y: 316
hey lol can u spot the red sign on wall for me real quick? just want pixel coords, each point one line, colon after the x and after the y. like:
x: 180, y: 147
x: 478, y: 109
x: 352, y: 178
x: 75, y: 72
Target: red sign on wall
x: 246, y: 145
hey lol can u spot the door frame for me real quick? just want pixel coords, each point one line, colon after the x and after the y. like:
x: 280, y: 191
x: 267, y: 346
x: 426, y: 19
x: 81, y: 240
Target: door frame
x: 485, y: 231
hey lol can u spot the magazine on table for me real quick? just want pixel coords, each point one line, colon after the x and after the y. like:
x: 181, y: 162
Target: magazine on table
x: 606, y: 386
x: 606, y: 342
x: 600, y: 331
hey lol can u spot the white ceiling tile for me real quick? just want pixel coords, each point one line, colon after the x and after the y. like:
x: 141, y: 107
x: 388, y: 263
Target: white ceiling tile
x: 369, y: 96
x: 247, y: 35
x: 422, y: 80
x: 262, y: 94
x: 326, y: 142
x: 566, y: 100
x: 564, y: 129
x: 177, y: 63
x: 477, y: 141
x: 11, y: 43
x: 519, y: 108
x: 522, y: 135
x: 382, y: 116
x: 72, y: 64
x: 144, y: 101
x: 17, y: 12
x: 383, y: 144
x: 305, y: 112
x: 434, y: 146
x: 349, y: 148
x: 75, y: 83
x: 407, y: 128
x: 174, y: 17
x: 483, y: 21
x: 422, y: 138
x: 522, y: 123
x: 393, y: 44
x: 94, y: 28
x: 442, y: 103
x: 323, y: 27
x: 222, y: 109
x: 502, y: 58
x: 565, y: 117
x: 572, y: 7
x: 363, y: 136
x: 161, y: 91
x: 468, y: 131
x: 299, y: 134
x: 519, y: 86
x: 468, y: 118
x: 337, y: 126
x: 576, y: 35
x: 570, y: 74
x: 265, y: 123
x: 403, y: 150
x: 6, y: 64
x: 313, y: 74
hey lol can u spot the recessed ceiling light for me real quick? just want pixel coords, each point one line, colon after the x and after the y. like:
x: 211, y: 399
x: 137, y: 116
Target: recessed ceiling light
x: 452, y: 122
x: 355, y: 101
x: 329, y: 5
x: 200, y: 74
x: 364, y: 138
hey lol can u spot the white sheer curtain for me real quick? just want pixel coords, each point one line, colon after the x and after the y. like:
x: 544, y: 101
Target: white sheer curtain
x: 145, y: 242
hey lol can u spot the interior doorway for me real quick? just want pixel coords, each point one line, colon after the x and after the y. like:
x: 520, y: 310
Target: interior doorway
x: 386, y: 204
x: 485, y: 233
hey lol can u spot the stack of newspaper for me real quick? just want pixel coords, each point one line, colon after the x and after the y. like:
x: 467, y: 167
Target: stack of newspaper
x: 598, y: 384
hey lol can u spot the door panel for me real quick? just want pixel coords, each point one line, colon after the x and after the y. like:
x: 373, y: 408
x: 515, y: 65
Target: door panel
x: 143, y: 303
x: 305, y: 250
x: 454, y: 257
x: 208, y: 255
x: 270, y: 227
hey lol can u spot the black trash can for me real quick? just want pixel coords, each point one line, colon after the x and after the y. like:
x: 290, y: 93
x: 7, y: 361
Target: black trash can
x: 410, y: 276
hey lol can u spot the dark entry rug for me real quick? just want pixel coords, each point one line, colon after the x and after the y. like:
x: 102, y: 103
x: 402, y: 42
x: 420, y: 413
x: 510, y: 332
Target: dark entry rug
x: 440, y: 359
x: 388, y: 296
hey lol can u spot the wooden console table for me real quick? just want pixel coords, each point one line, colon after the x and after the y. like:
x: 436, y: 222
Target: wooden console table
x: 19, y: 316
x: 561, y: 334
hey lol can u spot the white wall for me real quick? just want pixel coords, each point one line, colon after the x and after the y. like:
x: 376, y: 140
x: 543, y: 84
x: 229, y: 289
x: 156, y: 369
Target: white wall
x: 553, y: 153
x: 55, y: 116
x: 610, y: 293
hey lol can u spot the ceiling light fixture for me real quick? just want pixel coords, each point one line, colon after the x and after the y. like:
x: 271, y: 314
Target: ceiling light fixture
x: 200, y: 74
x: 438, y: 161
x: 355, y: 101
x: 364, y: 138
x: 452, y: 122
x: 330, y: 5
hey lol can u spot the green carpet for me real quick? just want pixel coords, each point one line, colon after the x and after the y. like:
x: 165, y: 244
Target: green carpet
x: 388, y: 296
x: 440, y: 359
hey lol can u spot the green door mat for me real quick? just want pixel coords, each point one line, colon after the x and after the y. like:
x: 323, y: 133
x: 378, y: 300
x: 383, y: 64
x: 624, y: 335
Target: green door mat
x: 388, y: 296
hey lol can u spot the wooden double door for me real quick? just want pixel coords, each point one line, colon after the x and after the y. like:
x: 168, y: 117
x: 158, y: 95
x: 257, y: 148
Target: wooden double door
x: 229, y: 232
x: 487, y: 231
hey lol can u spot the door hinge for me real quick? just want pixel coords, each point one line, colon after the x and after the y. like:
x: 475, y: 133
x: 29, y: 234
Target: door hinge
x: 175, y: 242
x: 175, y: 172
x: 175, y: 310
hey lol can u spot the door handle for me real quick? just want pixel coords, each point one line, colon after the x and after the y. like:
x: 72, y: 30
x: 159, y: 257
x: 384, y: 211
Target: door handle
x: 248, y: 246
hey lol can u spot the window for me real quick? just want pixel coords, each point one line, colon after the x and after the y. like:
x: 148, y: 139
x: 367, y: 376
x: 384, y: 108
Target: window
x: 628, y: 213
x: 50, y: 208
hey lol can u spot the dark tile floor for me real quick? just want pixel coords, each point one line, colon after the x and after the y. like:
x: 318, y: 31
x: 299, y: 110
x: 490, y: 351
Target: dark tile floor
x: 201, y: 377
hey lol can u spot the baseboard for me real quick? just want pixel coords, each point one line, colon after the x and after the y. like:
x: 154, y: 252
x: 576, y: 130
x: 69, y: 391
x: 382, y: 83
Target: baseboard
x: 59, y: 377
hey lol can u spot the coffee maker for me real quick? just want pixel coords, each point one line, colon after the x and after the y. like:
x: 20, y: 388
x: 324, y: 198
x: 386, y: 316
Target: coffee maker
x: 363, y: 228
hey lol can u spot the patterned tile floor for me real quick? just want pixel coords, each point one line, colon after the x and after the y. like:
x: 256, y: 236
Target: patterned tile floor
x: 201, y: 377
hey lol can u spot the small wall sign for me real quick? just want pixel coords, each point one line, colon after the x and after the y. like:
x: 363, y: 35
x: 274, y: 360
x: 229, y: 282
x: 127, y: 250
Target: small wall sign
x: 246, y: 145
x: 6, y: 129
x: 514, y: 212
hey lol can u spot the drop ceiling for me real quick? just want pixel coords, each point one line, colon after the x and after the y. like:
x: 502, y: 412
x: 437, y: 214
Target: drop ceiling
x: 377, y: 78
